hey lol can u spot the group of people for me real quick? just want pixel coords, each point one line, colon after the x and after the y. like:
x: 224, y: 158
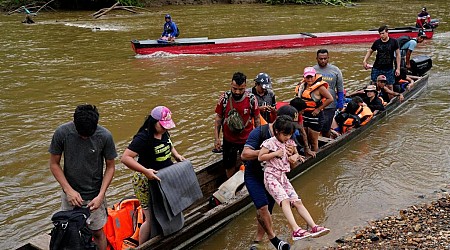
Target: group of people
x: 87, y: 147
x: 324, y: 110
x: 270, y: 141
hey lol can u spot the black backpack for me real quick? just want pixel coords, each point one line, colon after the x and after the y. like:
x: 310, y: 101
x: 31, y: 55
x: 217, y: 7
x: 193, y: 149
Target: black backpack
x: 70, y: 231
x: 402, y: 40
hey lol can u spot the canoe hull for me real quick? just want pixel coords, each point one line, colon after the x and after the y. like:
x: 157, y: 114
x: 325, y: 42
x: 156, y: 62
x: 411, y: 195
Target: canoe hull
x: 202, y: 220
x: 255, y: 43
x: 206, y: 223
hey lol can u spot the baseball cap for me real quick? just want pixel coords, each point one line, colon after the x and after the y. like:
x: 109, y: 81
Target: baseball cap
x: 421, y: 33
x: 424, y: 9
x: 309, y: 71
x: 264, y: 80
x: 381, y: 78
x: 164, y: 116
x: 168, y: 16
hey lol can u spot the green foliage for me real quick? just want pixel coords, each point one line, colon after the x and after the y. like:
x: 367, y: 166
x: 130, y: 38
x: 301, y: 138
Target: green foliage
x: 130, y: 3
x: 315, y: 2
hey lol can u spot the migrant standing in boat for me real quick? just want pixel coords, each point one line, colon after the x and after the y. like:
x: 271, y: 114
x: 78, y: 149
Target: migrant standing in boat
x: 154, y: 149
x: 387, y: 51
x: 170, y: 30
x: 385, y: 92
x: 265, y: 96
x: 86, y: 147
x: 254, y: 179
x: 423, y: 19
x: 313, y: 90
x: 407, y: 46
x: 300, y: 133
x: 274, y: 151
x: 333, y: 76
x: 234, y: 113
x: 373, y: 101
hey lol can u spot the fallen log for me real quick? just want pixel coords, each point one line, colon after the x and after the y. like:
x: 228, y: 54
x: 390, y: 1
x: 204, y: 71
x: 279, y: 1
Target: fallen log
x: 106, y: 11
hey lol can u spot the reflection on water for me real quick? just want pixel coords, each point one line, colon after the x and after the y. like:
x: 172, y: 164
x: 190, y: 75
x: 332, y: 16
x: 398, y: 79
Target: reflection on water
x: 49, y: 68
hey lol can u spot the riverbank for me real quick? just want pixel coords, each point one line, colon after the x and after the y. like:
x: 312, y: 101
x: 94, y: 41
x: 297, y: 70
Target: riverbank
x: 423, y: 226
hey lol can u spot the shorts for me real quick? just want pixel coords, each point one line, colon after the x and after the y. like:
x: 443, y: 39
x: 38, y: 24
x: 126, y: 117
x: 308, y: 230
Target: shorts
x: 328, y: 115
x: 98, y: 217
x: 230, y: 151
x: 313, y: 122
x: 257, y: 191
x: 280, y: 188
x: 141, y: 188
x: 389, y: 73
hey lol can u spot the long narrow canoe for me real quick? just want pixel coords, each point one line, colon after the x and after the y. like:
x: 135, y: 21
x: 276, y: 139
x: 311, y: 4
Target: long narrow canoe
x: 203, y: 45
x: 203, y: 220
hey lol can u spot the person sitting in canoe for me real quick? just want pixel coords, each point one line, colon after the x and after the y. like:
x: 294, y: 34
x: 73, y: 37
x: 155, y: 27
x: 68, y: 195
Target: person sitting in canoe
x: 373, y: 101
x: 423, y: 19
x: 355, y: 114
x: 170, y: 30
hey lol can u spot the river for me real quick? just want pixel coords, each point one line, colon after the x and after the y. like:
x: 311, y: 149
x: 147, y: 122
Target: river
x: 68, y: 58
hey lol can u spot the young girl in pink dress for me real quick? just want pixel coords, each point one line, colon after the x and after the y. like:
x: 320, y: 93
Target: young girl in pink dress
x: 280, y: 153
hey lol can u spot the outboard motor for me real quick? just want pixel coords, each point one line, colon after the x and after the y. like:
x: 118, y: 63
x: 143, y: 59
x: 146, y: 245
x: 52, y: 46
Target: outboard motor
x: 420, y: 65
x: 434, y: 23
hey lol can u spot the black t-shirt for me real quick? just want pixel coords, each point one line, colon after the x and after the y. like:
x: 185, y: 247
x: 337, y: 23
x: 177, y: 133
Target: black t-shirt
x: 385, y: 53
x: 153, y: 153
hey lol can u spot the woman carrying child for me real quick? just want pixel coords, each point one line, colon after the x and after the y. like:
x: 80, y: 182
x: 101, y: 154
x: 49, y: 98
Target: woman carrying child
x: 275, y: 152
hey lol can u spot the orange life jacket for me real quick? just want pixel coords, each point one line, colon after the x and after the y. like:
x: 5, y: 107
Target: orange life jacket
x: 124, y: 220
x: 306, y: 93
x: 363, y: 113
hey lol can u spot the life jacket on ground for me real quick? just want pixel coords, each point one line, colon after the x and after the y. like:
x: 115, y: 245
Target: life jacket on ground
x: 362, y: 117
x: 306, y: 93
x: 122, y: 227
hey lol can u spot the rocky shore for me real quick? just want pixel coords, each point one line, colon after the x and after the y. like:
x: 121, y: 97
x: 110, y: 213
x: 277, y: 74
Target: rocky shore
x: 425, y: 226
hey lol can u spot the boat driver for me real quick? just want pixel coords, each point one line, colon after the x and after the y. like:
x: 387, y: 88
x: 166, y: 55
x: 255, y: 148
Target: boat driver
x: 170, y: 30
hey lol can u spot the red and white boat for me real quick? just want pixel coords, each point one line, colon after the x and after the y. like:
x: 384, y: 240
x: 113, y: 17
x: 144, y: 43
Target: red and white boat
x: 203, y: 45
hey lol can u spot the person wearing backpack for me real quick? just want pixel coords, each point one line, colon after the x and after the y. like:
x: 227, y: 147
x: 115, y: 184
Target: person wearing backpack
x: 86, y: 146
x: 254, y: 179
x: 234, y: 113
x: 407, y: 46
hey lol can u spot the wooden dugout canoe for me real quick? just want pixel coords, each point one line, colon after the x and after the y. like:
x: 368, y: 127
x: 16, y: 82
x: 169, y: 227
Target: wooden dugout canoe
x: 202, y: 220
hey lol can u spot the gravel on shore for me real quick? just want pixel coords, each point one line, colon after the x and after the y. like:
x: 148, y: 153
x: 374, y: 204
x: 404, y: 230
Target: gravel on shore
x: 425, y: 226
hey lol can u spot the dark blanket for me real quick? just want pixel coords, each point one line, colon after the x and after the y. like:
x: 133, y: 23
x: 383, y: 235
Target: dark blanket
x: 177, y: 190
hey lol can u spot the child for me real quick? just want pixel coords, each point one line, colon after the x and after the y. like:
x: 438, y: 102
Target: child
x: 278, y: 151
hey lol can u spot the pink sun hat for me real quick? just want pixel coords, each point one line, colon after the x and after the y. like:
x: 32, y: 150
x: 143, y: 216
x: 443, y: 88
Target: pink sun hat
x: 164, y: 116
x: 309, y: 71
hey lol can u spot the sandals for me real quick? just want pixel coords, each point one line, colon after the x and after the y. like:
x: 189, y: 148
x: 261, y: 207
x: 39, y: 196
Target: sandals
x: 300, y: 234
x: 318, y: 231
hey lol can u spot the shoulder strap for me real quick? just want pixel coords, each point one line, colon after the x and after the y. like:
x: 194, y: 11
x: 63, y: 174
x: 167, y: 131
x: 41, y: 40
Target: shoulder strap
x: 226, y: 96
x: 264, y: 133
